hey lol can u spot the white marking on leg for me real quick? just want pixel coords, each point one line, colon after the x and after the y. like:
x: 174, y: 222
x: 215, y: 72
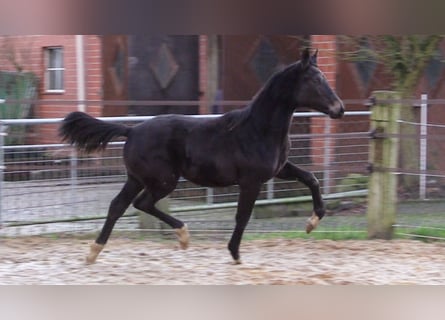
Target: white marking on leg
x: 95, y: 249
x: 237, y: 261
x: 312, y: 223
x: 183, y: 236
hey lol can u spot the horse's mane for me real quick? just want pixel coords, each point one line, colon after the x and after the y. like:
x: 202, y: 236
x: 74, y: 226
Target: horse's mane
x: 279, y: 87
x: 281, y: 84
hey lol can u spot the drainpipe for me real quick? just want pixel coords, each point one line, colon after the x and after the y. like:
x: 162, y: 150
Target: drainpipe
x: 80, y: 68
x: 81, y: 106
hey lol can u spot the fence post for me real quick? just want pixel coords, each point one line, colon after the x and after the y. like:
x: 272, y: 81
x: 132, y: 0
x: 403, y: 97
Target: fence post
x: 73, y: 167
x: 209, y: 196
x: 327, y: 158
x: 383, y: 155
x: 423, y: 145
x: 2, y: 165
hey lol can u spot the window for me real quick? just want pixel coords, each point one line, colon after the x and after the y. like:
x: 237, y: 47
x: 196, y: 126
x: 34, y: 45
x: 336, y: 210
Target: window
x: 54, y: 69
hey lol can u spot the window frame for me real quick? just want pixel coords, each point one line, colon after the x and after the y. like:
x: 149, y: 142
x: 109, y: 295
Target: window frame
x: 49, y: 70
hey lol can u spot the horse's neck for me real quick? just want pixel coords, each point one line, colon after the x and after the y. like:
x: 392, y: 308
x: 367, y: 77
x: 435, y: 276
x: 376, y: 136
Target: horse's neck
x: 270, y: 115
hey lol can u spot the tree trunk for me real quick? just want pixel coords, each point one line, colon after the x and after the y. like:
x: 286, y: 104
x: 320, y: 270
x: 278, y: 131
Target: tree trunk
x: 409, y: 149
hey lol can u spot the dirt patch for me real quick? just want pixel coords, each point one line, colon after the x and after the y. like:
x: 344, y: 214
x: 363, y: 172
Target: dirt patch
x: 278, y: 261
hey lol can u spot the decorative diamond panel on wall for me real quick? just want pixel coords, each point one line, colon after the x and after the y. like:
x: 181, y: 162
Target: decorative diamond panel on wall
x: 264, y: 60
x: 366, y: 66
x: 434, y: 69
x: 164, y: 66
x: 118, y: 63
x: 117, y: 68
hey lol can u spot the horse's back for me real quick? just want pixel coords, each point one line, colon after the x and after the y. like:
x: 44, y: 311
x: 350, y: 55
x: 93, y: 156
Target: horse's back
x: 160, y: 134
x: 196, y: 148
x: 210, y: 152
x: 162, y: 139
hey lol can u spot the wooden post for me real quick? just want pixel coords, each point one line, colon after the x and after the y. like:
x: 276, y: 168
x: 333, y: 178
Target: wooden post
x: 383, y: 155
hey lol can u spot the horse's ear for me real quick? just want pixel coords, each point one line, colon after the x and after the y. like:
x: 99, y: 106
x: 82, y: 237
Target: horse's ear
x: 305, y: 58
x: 314, y: 57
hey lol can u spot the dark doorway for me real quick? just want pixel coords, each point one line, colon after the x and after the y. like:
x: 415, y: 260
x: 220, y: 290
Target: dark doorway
x: 163, y: 68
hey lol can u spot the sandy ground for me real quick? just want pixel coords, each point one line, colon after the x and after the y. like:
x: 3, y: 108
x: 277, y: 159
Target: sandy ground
x: 278, y: 261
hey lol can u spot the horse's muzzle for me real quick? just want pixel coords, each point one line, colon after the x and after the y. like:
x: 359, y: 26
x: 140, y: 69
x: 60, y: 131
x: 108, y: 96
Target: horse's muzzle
x: 337, y: 110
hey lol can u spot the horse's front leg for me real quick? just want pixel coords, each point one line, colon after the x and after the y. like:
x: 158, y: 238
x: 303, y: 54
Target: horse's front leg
x: 292, y: 172
x: 246, y: 202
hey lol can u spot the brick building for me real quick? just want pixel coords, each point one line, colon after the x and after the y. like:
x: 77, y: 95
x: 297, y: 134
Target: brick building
x: 105, y: 67
x: 69, y: 68
x: 201, y: 69
x: 52, y: 58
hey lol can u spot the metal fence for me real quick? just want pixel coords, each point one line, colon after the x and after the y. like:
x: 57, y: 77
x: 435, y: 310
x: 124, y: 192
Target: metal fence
x: 46, y: 187
x: 49, y: 188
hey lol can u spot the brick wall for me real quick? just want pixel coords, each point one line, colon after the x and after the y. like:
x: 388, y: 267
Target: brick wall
x: 29, y: 52
x: 327, y: 62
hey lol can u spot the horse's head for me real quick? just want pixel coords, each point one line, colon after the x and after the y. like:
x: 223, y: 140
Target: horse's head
x: 314, y: 90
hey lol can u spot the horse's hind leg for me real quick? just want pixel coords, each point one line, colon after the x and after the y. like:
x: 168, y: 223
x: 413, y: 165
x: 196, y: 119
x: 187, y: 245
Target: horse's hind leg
x: 292, y: 172
x: 117, y: 208
x: 146, y: 202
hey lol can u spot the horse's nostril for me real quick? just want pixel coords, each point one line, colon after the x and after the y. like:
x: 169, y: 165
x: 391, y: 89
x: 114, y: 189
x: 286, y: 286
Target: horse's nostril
x: 337, y: 110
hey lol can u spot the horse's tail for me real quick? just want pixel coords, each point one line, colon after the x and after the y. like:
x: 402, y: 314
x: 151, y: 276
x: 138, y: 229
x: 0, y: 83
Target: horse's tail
x: 88, y: 133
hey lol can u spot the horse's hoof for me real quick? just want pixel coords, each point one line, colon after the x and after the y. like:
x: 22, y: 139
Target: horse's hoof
x: 183, y: 236
x: 95, y: 249
x: 90, y: 259
x: 312, y: 223
x: 237, y: 261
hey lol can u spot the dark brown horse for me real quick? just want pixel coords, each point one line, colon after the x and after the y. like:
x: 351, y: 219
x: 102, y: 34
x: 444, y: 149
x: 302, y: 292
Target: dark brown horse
x: 245, y: 147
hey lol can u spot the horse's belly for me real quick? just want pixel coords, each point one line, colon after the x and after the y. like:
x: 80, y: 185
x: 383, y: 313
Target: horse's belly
x: 210, y: 175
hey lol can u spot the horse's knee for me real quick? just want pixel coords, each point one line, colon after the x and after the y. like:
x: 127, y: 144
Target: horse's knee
x: 117, y: 209
x: 116, y: 203
x: 312, y: 181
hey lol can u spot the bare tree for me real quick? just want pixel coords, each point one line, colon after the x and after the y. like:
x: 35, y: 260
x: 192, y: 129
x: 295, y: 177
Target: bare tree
x: 18, y: 56
x: 404, y: 58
